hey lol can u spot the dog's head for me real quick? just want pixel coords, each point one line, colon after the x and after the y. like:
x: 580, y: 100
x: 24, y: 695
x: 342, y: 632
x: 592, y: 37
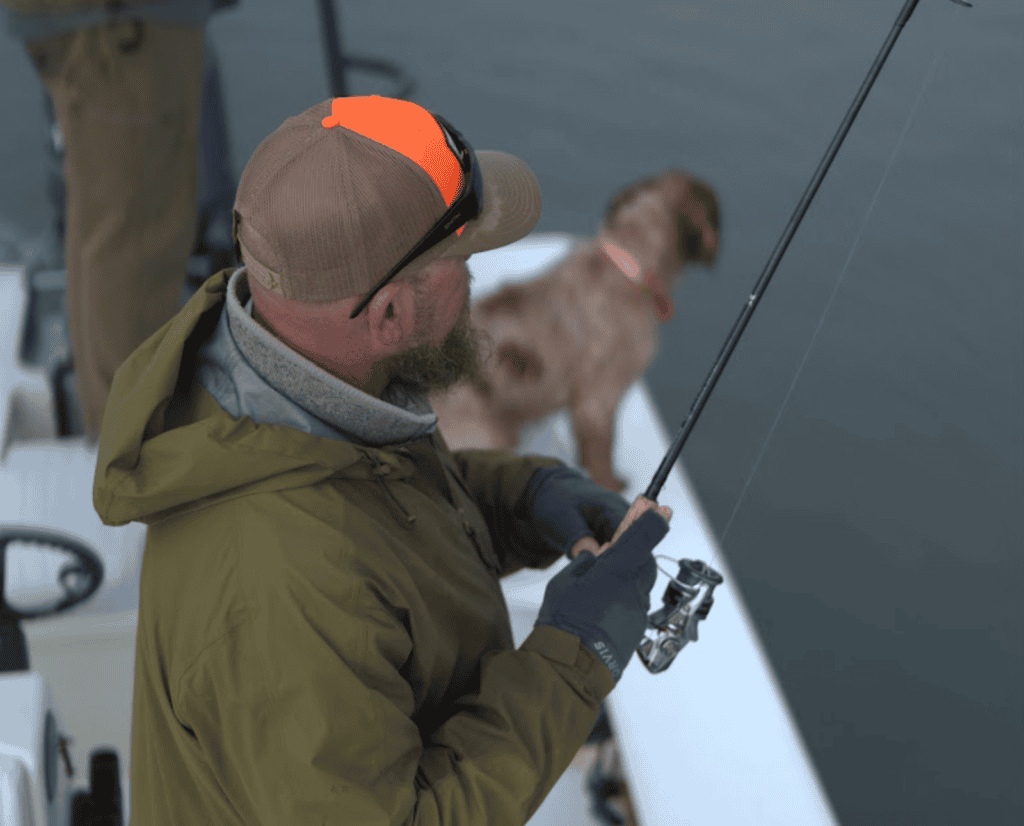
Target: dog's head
x: 668, y: 220
x: 665, y: 222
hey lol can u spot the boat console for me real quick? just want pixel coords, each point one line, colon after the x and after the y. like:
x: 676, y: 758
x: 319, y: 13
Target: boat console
x: 44, y: 573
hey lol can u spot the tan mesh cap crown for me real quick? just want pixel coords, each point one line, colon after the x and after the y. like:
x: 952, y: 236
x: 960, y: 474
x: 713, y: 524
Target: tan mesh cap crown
x: 336, y: 196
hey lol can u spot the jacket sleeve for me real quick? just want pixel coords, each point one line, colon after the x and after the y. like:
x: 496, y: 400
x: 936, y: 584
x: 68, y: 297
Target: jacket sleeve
x: 301, y: 714
x: 497, y: 480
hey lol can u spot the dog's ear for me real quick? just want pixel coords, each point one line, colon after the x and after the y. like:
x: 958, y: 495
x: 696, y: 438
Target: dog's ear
x: 701, y: 200
x: 690, y: 240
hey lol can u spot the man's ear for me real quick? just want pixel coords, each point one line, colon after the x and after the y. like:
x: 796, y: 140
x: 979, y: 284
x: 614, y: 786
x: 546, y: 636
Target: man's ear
x: 392, y: 317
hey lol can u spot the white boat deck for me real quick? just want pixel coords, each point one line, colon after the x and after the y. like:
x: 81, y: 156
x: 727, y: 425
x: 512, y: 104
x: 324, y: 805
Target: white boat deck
x: 708, y: 742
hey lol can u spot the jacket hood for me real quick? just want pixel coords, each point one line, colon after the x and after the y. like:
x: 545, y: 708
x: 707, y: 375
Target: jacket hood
x: 212, y: 407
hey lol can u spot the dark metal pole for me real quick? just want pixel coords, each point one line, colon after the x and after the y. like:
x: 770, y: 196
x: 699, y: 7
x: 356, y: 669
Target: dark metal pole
x: 335, y: 62
x: 780, y: 248
x: 338, y: 63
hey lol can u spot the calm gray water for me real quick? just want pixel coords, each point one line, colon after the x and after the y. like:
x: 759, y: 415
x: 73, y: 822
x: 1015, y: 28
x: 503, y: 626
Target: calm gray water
x: 862, y: 458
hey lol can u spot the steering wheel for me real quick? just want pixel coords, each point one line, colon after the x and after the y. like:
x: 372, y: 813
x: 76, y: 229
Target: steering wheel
x: 79, y: 578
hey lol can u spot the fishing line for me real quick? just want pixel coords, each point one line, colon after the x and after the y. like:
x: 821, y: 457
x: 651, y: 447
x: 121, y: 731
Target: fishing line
x: 856, y: 243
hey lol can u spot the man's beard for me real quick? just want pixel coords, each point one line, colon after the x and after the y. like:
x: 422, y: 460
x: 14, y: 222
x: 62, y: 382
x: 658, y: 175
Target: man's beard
x: 433, y: 368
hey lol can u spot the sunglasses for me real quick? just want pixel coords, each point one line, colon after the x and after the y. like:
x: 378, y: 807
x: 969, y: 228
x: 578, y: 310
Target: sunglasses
x: 464, y: 208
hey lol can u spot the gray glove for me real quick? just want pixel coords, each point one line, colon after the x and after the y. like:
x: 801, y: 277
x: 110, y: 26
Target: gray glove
x: 604, y: 600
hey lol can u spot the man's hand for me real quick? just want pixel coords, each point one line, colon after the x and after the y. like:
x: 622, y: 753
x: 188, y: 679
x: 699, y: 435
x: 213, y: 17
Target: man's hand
x: 588, y: 543
x: 562, y: 505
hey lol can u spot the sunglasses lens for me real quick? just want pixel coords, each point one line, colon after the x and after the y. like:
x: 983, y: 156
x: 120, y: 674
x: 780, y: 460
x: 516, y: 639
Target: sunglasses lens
x: 456, y: 150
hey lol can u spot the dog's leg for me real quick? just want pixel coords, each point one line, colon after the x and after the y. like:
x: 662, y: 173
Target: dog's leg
x: 593, y: 423
x: 466, y: 420
x: 595, y: 452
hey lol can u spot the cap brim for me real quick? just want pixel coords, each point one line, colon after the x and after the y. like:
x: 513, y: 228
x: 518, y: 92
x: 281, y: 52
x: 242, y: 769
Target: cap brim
x: 511, y: 209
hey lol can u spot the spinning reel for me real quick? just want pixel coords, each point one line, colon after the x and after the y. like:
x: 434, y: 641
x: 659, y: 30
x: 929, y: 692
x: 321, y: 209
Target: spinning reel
x: 676, y: 622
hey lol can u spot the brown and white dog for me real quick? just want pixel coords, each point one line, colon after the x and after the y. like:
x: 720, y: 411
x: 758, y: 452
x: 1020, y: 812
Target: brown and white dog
x: 578, y: 336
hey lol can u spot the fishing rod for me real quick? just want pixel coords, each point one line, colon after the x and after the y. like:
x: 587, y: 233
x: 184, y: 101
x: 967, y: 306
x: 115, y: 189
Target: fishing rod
x: 677, y: 621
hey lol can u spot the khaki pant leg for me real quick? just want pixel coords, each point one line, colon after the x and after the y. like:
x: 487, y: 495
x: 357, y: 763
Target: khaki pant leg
x: 127, y: 98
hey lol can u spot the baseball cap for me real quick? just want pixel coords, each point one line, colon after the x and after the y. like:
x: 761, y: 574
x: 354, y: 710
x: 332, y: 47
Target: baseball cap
x: 336, y: 196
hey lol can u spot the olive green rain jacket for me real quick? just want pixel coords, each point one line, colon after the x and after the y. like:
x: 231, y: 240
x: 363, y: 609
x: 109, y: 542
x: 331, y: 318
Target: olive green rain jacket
x: 322, y: 635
